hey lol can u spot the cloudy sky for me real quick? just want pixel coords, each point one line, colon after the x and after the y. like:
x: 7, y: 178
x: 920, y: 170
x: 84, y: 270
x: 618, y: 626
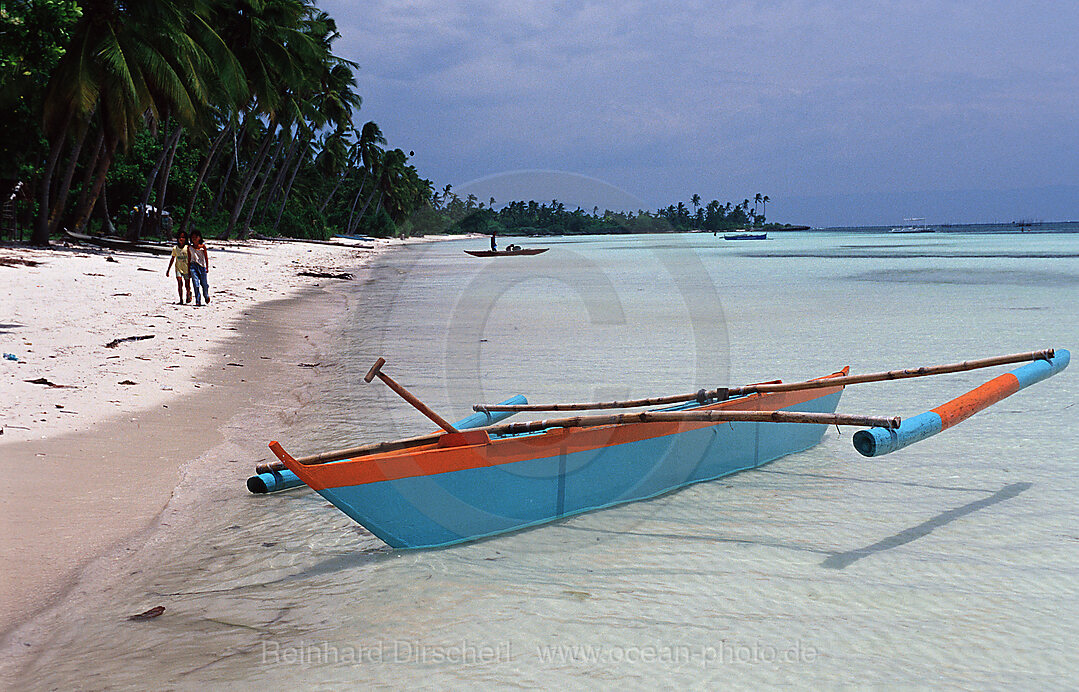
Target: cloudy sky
x: 843, y: 112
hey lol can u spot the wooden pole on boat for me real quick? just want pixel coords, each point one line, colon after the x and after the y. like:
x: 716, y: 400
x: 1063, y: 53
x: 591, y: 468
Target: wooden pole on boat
x: 609, y: 419
x: 473, y: 421
x: 353, y: 452
x: 704, y: 396
x: 1045, y: 354
x: 720, y: 416
x: 376, y: 371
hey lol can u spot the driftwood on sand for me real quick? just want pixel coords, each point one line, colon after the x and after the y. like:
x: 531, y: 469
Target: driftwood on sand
x: 116, y: 342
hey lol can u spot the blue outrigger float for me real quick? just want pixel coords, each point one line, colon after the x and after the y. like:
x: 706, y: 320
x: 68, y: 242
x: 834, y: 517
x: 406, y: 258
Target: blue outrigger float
x: 480, y: 477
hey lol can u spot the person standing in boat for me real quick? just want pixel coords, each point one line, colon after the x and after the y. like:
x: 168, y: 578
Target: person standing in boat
x: 181, y: 255
x: 494, y: 248
x: 200, y: 266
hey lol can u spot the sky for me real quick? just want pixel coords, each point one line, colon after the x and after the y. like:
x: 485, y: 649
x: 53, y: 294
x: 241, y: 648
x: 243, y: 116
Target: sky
x: 842, y: 112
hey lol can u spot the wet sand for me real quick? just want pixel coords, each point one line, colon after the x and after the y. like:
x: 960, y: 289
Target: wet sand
x: 69, y: 499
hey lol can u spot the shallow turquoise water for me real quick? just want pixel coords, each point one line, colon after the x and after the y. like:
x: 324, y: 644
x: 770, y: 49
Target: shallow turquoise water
x: 952, y: 562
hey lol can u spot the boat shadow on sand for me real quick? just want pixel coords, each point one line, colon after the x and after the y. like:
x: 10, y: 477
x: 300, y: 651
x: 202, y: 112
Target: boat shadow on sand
x: 845, y: 559
x: 835, y: 560
x: 841, y: 560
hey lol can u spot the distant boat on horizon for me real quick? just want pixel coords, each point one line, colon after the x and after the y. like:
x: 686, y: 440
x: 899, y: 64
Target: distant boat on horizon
x: 912, y: 227
x: 745, y: 236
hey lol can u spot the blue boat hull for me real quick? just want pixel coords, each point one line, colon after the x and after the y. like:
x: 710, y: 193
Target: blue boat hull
x: 439, y: 509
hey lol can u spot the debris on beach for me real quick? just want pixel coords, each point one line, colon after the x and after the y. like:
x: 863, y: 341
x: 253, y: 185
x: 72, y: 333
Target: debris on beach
x: 127, y: 382
x: 143, y: 269
x: 149, y: 614
x: 309, y: 365
x: 327, y: 275
x: 110, y: 258
x: 42, y: 380
x: 17, y: 261
x: 116, y: 342
x: 11, y: 356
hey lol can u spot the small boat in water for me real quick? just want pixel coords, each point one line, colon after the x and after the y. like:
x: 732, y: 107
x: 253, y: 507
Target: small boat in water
x: 746, y: 236
x: 507, y: 252
x: 913, y: 227
x: 480, y: 477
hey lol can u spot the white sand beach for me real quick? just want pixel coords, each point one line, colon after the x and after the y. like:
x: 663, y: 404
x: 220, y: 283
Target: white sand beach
x: 88, y: 461
x: 57, y: 318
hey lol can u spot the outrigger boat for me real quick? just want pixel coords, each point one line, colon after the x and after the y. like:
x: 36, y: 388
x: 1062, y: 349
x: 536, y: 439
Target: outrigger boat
x: 745, y: 236
x: 480, y: 477
x: 507, y: 252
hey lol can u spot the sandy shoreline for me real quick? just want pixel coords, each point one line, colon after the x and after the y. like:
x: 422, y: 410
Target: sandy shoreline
x: 58, y: 316
x: 87, y: 489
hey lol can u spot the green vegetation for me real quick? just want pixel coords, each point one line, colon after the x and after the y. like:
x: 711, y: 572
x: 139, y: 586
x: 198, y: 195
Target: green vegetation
x: 232, y: 115
x: 449, y: 214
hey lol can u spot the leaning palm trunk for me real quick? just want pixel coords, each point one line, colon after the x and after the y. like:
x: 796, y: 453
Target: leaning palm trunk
x: 215, y: 149
x: 246, y: 227
x: 279, y: 179
x: 288, y: 189
x: 359, y: 219
x: 245, y: 190
x: 99, y: 183
x: 40, y: 235
x: 365, y: 205
x: 136, y: 227
x: 106, y: 218
x: 340, y: 179
x: 163, y: 192
x: 352, y: 209
x: 88, y: 176
x: 231, y: 165
x: 65, y: 185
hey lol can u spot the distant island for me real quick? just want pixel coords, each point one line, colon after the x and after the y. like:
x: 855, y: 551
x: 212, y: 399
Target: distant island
x: 448, y: 213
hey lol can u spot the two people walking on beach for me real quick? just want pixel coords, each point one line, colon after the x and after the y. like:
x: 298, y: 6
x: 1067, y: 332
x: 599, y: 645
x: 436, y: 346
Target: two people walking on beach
x: 192, y: 265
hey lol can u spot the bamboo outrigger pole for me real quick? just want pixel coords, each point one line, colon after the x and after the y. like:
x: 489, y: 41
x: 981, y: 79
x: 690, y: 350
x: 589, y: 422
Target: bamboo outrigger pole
x: 694, y: 417
x: 606, y: 419
x: 721, y: 393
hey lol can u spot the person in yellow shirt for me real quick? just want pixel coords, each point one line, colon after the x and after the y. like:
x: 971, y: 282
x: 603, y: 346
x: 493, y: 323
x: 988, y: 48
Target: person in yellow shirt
x: 181, y: 255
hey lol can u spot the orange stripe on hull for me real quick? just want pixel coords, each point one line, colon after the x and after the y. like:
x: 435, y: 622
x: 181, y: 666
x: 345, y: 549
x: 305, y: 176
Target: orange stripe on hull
x: 434, y: 459
x: 958, y: 410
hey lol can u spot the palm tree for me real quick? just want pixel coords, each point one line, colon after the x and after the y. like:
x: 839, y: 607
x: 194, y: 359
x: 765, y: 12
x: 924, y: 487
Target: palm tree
x: 336, y: 158
x: 130, y: 62
x: 334, y: 103
x: 281, y: 52
x: 756, y: 201
x: 764, y: 211
x: 695, y: 200
x: 371, y: 156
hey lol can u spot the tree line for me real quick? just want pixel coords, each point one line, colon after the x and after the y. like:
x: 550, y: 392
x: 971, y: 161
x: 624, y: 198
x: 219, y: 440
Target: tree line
x: 235, y: 115
x: 451, y: 214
